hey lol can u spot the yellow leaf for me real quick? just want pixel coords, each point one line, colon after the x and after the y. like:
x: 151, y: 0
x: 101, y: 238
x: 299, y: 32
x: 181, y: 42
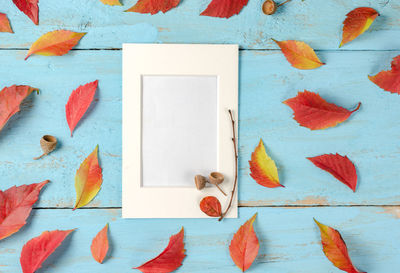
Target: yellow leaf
x: 111, y: 2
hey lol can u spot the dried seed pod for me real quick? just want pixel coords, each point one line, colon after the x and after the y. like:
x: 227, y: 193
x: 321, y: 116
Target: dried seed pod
x: 270, y: 6
x: 48, y: 144
x: 200, y: 182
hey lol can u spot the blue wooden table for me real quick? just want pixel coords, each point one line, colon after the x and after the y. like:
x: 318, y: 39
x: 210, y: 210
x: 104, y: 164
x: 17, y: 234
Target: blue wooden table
x: 369, y: 219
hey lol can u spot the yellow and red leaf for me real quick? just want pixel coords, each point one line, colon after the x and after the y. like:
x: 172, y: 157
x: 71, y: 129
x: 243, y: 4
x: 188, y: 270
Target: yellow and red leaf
x: 5, y: 23
x: 153, y: 6
x: 88, y: 180
x: 312, y: 111
x: 111, y: 2
x: 30, y: 8
x: 224, y: 8
x: 170, y: 259
x: 99, y: 247
x: 211, y: 206
x: 244, y: 245
x: 389, y: 80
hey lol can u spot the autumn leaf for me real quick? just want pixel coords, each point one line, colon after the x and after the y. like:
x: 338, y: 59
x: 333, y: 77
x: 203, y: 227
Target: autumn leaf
x: 211, y: 206
x: 357, y: 22
x: 299, y: 54
x: 55, y: 43
x: 16, y: 205
x: 111, y: 2
x: 339, y: 166
x: 224, y: 8
x: 78, y: 103
x: 263, y: 168
x: 170, y: 259
x: 389, y: 80
x: 5, y: 23
x: 88, y: 180
x: 11, y: 99
x: 153, y: 6
x: 315, y: 113
x: 244, y: 245
x: 99, y: 247
x: 30, y: 8
x: 38, y: 249
x: 335, y: 249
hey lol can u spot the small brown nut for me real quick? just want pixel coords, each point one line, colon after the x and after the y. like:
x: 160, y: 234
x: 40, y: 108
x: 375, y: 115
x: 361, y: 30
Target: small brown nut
x: 200, y: 182
x: 48, y: 144
x: 216, y: 178
x: 269, y: 7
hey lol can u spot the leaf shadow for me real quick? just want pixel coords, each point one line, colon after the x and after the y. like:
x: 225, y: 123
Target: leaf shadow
x: 110, y: 245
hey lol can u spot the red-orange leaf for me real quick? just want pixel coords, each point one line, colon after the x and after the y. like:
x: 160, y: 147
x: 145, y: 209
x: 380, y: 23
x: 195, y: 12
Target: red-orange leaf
x: 99, y: 245
x: 5, y: 24
x: 224, y: 8
x: 339, y: 166
x: 244, y: 245
x: 357, y: 22
x: 38, y: 249
x: 170, y: 259
x: 211, y: 206
x: 389, y: 80
x: 10, y: 101
x: 30, y: 8
x: 299, y: 54
x: 16, y: 205
x: 55, y: 43
x: 154, y: 6
x: 315, y: 113
x: 78, y: 103
x: 335, y: 249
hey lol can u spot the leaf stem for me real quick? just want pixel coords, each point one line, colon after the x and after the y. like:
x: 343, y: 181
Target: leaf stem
x: 358, y: 107
x: 220, y: 189
x: 39, y: 157
x: 287, y: 1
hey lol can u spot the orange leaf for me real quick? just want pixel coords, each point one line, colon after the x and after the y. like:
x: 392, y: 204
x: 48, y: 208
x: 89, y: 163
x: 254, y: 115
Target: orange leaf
x: 356, y: 23
x: 339, y: 166
x: 224, y: 8
x: 299, y: 54
x: 16, y: 205
x: 5, y: 24
x: 211, y: 206
x: 99, y: 245
x: 30, y: 8
x: 315, y: 113
x: 10, y: 101
x: 335, y: 249
x: 170, y: 259
x: 263, y: 168
x: 154, y: 6
x: 389, y: 80
x: 78, y: 103
x: 55, y: 43
x: 38, y: 249
x: 111, y: 2
x: 244, y: 245
x: 88, y: 180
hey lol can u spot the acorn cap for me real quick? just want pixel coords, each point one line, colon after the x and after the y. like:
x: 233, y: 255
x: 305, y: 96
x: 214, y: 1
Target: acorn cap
x: 216, y: 178
x: 269, y: 7
x: 200, y: 181
x: 48, y: 144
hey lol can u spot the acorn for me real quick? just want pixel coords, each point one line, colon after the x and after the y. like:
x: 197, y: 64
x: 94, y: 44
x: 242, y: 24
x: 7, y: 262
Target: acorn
x: 200, y: 182
x: 48, y: 144
x: 270, y: 6
x: 215, y: 178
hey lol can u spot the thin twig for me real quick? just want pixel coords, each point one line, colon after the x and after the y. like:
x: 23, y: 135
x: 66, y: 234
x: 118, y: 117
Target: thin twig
x: 220, y: 189
x: 39, y: 157
x: 236, y: 167
x: 284, y: 3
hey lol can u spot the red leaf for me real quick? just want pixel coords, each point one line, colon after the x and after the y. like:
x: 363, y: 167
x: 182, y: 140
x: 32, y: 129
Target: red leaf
x: 335, y: 249
x: 211, y: 206
x: 10, y: 100
x: 313, y: 112
x: 154, y: 6
x: 78, y: 103
x: 99, y: 245
x: 170, y: 259
x: 30, y: 8
x: 389, y: 80
x: 38, y: 249
x: 244, y: 245
x: 339, y: 166
x: 5, y: 23
x: 224, y: 8
x: 16, y: 205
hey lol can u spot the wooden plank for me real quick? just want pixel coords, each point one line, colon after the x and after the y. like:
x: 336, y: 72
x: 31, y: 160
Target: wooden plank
x: 318, y: 23
x: 369, y: 137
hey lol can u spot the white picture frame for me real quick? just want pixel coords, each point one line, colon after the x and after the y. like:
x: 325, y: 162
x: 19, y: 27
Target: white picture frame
x: 150, y: 68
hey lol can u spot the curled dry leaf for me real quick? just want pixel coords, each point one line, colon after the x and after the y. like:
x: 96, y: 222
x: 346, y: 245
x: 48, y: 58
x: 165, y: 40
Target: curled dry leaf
x: 16, y: 205
x: 244, y: 245
x: 11, y: 99
x: 357, y: 22
x: 99, y: 247
x: 339, y: 166
x: 38, y: 249
x: 299, y: 54
x: 5, y: 23
x: 211, y: 206
x: 154, y: 6
x: 315, y: 113
x: 55, y: 43
x: 88, y: 180
x: 111, y: 2
x: 335, y: 249
x: 170, y: 259
x: 389, y: 80
x: 263, y: 168
x: 30, y: 8
x: 224, y: 8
